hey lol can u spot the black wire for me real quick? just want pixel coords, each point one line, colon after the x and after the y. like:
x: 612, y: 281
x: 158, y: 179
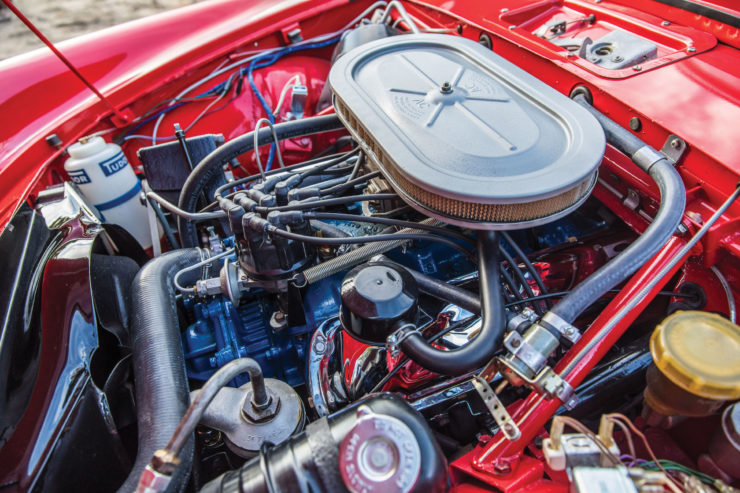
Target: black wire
x: 313, y: 204
x: 510, y: 282
x: 335, y: 159
x: 520, y: 276
x: 673, y: 294
x: 525, y: 260
x: 387, y: 221
x: 322, y: 167
x: 343, y: 187
x: 371, y: 239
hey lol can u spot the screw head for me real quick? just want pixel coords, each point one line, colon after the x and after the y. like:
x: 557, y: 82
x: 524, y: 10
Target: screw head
x: 692, y: 49
x: 676, y: 144
x: 637, y: 68
x: 665, y: 23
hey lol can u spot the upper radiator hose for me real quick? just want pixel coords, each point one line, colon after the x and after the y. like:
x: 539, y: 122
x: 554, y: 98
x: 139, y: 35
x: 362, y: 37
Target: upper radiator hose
x: 667, y: 219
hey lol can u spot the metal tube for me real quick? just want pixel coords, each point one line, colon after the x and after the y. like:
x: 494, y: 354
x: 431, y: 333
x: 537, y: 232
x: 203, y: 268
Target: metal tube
x: 206, y: 394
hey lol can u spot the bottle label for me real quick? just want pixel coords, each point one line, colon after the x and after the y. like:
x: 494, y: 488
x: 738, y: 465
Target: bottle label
x: 114, y: 164
x: 79, y: 177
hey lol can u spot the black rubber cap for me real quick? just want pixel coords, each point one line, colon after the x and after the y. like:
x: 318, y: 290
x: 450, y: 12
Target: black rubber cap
x: 376, y: 297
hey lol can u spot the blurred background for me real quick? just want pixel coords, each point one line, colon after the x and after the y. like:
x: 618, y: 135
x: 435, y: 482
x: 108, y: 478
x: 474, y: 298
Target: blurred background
x: 64, y: 19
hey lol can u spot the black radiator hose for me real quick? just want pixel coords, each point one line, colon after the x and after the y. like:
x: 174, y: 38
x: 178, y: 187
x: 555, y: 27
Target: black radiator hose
x: 667, y: 219
x: 209, y: 169
x: 481, y: 349
x: 316, y: 460
x: 162, y: 394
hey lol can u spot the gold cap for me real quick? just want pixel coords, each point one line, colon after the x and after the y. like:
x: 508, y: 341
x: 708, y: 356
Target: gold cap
x: 699, y: 352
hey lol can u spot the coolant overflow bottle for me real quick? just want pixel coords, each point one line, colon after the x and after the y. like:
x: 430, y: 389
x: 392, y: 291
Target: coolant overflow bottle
x: 106, y: 179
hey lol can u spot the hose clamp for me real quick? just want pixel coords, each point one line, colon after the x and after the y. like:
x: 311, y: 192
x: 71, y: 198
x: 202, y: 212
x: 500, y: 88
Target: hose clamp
x: 393, y: 342
x: 563, y: 328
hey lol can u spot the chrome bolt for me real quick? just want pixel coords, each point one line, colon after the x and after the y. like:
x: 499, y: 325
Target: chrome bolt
x: 637, y: 68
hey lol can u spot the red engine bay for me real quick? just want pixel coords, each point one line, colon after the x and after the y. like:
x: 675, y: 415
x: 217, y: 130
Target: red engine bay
x: 284, y: 261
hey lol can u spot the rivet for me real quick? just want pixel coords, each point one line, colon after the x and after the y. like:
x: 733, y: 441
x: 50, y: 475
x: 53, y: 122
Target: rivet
x: 637, y: 68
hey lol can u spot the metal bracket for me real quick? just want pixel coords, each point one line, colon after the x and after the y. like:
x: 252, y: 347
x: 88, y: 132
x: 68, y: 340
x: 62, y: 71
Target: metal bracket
x: 523, y: 351
x: 551, y: 384
x: 502, y: 417
x: 522, y: 320
x: 674, y: 148
x: 546, y: 382
x: 569, y: 333
x: 396, y: 338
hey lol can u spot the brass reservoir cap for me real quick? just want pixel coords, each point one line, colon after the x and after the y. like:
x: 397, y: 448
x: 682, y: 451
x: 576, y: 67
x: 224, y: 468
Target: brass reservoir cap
x: 699, y: 352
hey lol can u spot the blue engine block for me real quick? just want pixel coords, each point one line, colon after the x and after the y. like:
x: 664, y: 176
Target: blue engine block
x: 223, y: 332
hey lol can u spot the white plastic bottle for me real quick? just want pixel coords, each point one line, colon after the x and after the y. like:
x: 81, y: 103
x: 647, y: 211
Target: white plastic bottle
x: 106, y: 179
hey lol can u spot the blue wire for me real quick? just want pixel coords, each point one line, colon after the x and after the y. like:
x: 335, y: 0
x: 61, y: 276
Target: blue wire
x: 261, y: 61
x: 265, y: 61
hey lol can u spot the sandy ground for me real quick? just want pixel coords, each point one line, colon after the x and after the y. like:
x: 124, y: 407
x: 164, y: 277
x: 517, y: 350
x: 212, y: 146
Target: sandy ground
x: 64, y: 19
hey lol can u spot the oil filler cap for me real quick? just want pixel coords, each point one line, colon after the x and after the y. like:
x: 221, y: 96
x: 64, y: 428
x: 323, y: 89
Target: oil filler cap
x: 380, y: 453
x: 699, y: 352
x: 375, y: 298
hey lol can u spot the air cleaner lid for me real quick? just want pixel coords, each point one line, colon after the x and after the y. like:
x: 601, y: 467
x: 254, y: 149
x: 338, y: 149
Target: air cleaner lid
x: 699, y: 352
x: 460, y: 121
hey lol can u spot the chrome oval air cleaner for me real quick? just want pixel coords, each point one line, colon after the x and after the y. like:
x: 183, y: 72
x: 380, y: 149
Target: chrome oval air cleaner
x: 464, y: 135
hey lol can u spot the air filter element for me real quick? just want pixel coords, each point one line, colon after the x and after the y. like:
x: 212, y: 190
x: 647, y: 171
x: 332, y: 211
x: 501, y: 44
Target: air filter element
x: 465, y: 136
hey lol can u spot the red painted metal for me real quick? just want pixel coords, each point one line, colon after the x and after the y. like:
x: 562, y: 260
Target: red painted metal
x: 535, y: 412
x: 134, y: 65
x: 692, y: 94
x: 123, y: 118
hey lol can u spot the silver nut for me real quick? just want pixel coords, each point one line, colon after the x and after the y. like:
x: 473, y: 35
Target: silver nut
x: 260, y: 414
